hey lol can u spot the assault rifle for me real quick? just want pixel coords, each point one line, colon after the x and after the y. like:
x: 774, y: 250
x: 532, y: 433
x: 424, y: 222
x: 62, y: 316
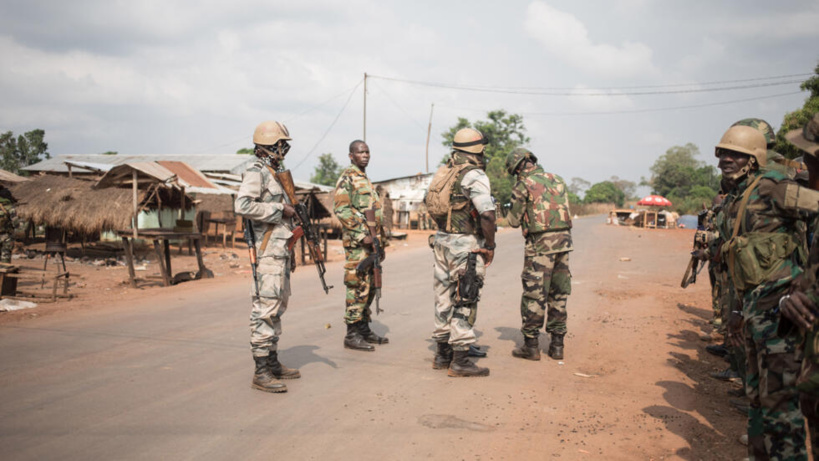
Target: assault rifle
x: 469, y: 284
x: 250, y: 239
x: 306, y: 227
x: 373, y: 261
x: 700, y: 242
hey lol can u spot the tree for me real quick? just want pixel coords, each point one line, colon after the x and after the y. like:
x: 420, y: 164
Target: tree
x: 680, y: 177
x: 26, y: 149
x: 799, y: 117
x: 605, y: 192
x: 245, y: 151
x: 327, y: 171
x: 629, y: 188
x: 578, y: 186
x: 504, y: 132
x: 110, y: 152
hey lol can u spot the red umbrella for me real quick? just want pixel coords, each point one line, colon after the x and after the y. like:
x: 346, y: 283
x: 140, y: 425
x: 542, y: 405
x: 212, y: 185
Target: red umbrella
x: 654, y: 200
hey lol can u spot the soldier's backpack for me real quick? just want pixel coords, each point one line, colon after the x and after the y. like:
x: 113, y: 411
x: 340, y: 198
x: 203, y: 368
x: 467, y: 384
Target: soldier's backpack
x: 438, y: 198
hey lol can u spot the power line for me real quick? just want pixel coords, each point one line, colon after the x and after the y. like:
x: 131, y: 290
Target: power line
x: 398, y: 106
x: 608, y: 92
x: 293, y: 117
x: 635, y: 111
x: 310, y: 153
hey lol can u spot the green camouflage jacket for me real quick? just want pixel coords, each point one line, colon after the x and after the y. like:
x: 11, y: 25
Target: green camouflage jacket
x: 777, y: 205
x: 354, y: 194
x: 540, y: 202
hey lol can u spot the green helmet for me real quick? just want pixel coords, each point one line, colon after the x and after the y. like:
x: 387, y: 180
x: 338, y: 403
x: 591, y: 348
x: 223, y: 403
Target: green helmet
x: 763, y: 127
x: 517, y: 156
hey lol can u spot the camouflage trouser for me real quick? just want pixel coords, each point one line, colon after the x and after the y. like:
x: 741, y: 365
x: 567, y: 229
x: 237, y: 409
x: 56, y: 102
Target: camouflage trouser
x: 453, y: 325
x: 776, y: 427
x: 6, y: 247
x: 273, y: 276
x: 547, y: 284
x: 717, y: 299
x: 359, y: 296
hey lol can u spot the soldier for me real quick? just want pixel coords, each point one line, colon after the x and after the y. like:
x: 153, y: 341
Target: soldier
x: 540, y: 205
x: 459, y: 200
x: 8, y: 222
x: 764, y: 249
x: 800, y: 307
x: 262, y: 201
x: 354, y: 194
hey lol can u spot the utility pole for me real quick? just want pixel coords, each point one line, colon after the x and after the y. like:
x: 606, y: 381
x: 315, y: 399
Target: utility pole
x: 365, y: 107
x: 429, y: 130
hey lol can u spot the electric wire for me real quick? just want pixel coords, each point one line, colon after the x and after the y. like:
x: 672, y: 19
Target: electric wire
x: 310, y: 153
x: 634, y: 111
x: 595, y: 92
x: 389, y: 98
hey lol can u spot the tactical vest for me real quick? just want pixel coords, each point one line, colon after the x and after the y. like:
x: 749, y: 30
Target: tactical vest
x: 463, y: 217
x: 547, y: 210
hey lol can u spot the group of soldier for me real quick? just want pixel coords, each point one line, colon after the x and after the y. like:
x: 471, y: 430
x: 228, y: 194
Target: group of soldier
x: 459, y: 201
x: 760, y: 241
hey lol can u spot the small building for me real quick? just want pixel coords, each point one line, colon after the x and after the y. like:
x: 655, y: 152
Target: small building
x: 406, y: 193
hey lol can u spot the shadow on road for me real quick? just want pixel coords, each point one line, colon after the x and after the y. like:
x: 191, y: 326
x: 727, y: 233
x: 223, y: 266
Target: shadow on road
x: 300, y: 356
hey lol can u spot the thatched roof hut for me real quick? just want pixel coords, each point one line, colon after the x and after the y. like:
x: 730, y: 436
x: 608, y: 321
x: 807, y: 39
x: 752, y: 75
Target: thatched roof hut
x: 74, y: 205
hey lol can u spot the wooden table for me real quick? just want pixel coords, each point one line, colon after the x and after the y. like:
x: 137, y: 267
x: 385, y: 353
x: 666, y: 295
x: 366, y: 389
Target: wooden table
x: 161, y: 239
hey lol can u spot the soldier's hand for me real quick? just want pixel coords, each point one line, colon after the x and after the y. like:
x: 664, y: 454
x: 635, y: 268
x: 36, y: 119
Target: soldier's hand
x: 367, y: 241
x: 488, y: 255
x: 288, y: 211
x: 699, y: 254
x: 799, y: 309
x: 524, y: 231
x: 382, y: 254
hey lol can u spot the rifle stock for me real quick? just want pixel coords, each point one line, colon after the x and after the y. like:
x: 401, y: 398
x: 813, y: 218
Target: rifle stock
x: 285, y: 178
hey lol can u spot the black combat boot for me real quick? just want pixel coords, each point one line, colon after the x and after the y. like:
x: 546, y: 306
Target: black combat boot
x: 443, y: 357
x: 556, y: 346
x: 475, y: 351
x: 369, y: 335
x: 354, y: 340
x: 530, y: 350
x: 280, y: 371
x: 263, y: 379
x: 461, y: 367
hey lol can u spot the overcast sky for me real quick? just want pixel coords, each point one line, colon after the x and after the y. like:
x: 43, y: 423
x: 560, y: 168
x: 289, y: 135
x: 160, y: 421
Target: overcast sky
x: 196, y: 77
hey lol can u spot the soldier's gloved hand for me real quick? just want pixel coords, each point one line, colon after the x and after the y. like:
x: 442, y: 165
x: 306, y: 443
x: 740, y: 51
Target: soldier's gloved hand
x: 799, y: 309
x: 488, y: 255
x: 288, y: 211
x: 699, y: 254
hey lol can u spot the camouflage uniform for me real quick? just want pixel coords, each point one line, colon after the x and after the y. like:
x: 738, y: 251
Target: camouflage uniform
x: 540, y: 203
x: 776, y: 427
x: 8, y: 222
x: 260, y: 200
x: 354, y: 194
x: 451, y: 249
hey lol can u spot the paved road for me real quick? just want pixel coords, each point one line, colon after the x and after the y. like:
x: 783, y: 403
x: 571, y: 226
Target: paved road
x: 168, y: 377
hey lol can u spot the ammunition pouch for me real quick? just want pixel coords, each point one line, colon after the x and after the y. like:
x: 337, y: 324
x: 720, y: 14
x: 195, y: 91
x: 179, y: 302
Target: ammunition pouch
x: 754, y: 257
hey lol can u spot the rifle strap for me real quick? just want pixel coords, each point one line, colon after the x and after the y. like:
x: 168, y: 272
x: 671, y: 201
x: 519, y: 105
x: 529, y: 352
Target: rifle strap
x: 743, y: 205
x: 265, y: 239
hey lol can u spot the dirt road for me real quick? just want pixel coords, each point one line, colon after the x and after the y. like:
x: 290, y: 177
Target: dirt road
x: 166, y: 375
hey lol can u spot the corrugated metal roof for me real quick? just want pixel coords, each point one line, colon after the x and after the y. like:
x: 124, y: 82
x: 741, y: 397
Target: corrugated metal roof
x: 124, y: 172
x: 187, y: 175
x: 227, y: 163
x: 8, y: 176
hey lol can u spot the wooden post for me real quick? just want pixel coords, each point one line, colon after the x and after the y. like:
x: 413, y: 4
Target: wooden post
x: 135, y: 187
x: 365, y: 108
x: 429, y: 130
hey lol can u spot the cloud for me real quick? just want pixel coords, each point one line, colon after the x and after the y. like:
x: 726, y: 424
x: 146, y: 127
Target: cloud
x: 564, y: 36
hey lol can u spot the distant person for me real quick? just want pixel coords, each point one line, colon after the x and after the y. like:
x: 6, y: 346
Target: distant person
x: 262, y: 201
x: 353, y: 195
x: 540, y: 206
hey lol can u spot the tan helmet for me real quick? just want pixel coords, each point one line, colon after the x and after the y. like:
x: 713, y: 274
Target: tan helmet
x: 469, y: 140
x: 745, y: 140
x: 269, y: 133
